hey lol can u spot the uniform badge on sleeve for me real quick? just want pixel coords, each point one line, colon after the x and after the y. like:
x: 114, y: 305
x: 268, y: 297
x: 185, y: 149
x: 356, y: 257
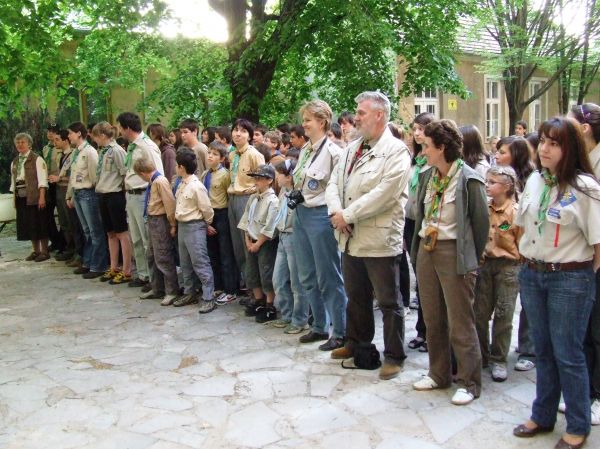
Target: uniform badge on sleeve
x: 313, y: 184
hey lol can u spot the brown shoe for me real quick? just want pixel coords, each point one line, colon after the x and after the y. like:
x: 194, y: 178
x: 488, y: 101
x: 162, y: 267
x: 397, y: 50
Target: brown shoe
x: 389, y: 371
x: 562, y: 444
x: 32, y: 256
x: 341, y: 353
x: 523, y: 431
x: 76, y: 263
x: 42, y: 256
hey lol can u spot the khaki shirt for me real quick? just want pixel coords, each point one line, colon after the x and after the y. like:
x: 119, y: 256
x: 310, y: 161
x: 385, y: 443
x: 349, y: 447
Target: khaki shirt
x: 571, y: 226
x: 313, y: 177
x: 219, y: 183
x: 248, y: 160
x: 201, y: 151
x: 40, y: 169
x: 192, y: 202
x: 111, y: 165
x: 594, y: 156
x: 285, y: 214
x: 445, y: 223
x: 141, y: 147
x: 52, y: 160
x: 84, y: 161
x: 260, y: 215
x: 503, y: 240
x: 161, y: 200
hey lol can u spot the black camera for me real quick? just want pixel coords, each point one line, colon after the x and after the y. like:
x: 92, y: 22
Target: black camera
x: 295, y: 197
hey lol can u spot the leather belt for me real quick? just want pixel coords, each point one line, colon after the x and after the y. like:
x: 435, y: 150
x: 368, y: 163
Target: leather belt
x: 546, y: 267
x: 136, y: 191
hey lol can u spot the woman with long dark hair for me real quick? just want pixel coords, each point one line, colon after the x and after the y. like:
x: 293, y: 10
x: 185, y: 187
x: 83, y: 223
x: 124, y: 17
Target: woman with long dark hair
x: 158, y: 133
x: 516, y: 152
x: 474, y: 153
x: 559, y: 213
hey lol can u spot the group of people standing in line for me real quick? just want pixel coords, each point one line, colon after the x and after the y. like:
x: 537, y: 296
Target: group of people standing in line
x: 317, y: 225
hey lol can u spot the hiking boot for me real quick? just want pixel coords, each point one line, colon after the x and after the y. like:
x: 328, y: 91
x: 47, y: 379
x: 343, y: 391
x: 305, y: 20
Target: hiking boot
x: 207, y: 306
x: 341, y: 353
x: 108, y: 275
x: 168, y: 300
x: 291, y: 329
x: 185, y: 300
x: 280, y: 323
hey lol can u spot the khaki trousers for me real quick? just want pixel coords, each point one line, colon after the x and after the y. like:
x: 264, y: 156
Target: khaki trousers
x: 447, y: 302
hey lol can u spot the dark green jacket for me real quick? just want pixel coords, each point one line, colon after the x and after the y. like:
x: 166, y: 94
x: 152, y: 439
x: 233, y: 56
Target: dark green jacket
x: 473, y: 222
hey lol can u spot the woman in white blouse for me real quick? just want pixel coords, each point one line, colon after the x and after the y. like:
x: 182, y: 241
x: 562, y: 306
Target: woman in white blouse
x: 559, y: 212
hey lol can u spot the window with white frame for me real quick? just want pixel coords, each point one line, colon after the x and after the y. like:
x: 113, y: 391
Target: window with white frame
x: 426, y: 101
x: 492, y: 108
x: 537, y: 108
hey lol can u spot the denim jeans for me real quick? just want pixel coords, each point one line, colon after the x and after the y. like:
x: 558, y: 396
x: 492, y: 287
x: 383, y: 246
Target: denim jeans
x: 193, y: 255
x: 319, y: 269
x: 95, y: 253
x: 292, y: 300
x: 558, y: 306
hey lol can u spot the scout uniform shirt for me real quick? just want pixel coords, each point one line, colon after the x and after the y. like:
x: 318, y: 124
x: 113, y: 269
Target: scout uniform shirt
x: 84, y: 161
x: 217, y: 189
x: 260, y: 215
x: 111, y: 168
x: 594, y: 156
x: 243, y: 161
x: 315, y: 164
x: 161, y: 200
x: 503, y: 240
x: 570, y: 227
x: 141, y: 147
x: 192, y: 202
x: 51, y: 156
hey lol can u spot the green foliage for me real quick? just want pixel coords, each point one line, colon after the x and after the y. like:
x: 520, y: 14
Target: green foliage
x: 192, y: 85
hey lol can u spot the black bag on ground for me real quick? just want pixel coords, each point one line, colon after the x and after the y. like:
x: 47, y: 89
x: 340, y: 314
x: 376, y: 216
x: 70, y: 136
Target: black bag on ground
x: 366, y: 356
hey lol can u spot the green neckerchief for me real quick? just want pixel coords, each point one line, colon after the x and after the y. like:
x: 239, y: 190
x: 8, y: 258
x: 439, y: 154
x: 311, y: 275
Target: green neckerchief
x: 549, y: 182
x: 101, y: 155
x: 20, y: 164
x: 48, y: 157
x: 129, y: 157
x: 300, y: 167
x: 439, y: 186
x: 74, y: 156
x: 234, y: 166
x: 414, y: 181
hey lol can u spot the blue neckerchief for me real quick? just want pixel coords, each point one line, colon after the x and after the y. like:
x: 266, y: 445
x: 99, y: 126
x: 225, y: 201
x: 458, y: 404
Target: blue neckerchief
x: 147, y: 194
x: 176, y: 185
x: 208, y: 177
x: 283, y: 209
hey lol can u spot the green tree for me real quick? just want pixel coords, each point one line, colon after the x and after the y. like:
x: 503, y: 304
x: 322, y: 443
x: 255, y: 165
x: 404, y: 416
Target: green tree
x: 331, y: 46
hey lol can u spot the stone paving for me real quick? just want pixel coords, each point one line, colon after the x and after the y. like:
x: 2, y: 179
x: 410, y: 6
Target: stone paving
x: 87, y: 365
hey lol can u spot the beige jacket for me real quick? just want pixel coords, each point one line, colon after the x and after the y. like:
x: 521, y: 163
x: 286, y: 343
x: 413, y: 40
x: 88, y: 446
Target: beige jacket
x: 372, y: 197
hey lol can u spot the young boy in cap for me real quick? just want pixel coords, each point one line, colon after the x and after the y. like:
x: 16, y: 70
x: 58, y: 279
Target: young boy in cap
x: 259, y: 225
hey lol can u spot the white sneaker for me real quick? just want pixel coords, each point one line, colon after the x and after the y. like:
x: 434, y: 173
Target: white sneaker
x: 596, y: 412
x: 425, y: 384
x: 225, y: 299
x: 499, y: 373
x: 462, y: 397
x: 562, y: 407
x: 524, y: 365
x: 168, y: 300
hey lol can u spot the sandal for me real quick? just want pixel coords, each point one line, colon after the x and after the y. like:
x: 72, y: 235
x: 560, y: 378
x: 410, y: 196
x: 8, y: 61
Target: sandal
x: 416, y: 343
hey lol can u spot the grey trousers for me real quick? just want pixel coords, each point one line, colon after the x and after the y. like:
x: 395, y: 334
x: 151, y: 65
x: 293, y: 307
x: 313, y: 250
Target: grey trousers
x: 193, y: 257
x: 139, y: 234
x: 164, y: 273
x: 237, y: 205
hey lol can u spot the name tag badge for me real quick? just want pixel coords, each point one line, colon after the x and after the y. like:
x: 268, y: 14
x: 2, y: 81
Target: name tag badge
x: 567, y: 198
x: 555, y: 213
x: 313, y: 184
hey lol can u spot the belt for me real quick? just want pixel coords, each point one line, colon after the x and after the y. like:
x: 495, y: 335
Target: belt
x: 136, y: 191
x: 546, y: 267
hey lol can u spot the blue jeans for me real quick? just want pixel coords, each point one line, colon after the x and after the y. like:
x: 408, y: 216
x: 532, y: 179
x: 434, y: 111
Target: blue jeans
x: 319, y: 269
x: 292, y: 300
x: 558, y: 306
x: 95, y: 255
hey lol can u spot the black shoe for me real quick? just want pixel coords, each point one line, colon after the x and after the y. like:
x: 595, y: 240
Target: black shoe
x: 137, y: 282
x: 331, y: 344
x: 253, y: 308
x: 81, y: 270
x: 312, y: 337
x: 92, y: 274
x: 147, y: 288
x: 63, y: 257
x: 266, y: 313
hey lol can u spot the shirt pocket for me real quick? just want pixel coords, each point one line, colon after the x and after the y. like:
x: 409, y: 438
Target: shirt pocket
x: 370, y: 173
x: 316, y: 180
